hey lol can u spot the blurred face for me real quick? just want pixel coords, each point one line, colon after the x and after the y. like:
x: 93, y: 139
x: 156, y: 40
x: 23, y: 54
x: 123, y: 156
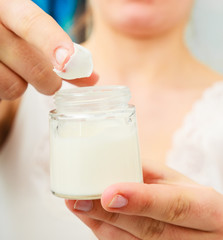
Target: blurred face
x: 142, y: 17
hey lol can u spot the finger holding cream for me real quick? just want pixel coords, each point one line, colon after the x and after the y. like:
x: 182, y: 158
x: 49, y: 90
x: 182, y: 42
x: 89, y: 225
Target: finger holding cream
x: 79, y: 65
x: 86, y: 81
x: 31, y: 23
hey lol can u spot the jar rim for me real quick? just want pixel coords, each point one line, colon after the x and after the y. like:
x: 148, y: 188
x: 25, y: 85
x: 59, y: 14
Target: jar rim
x: 92, y: 90
x: 94, y: 98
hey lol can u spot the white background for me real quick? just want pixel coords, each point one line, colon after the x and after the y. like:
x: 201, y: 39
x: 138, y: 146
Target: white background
x: 204, y: 35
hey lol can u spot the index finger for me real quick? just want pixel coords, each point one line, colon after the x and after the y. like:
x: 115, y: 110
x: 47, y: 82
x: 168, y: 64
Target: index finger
x: 31, y: 23
x: 185, y: 206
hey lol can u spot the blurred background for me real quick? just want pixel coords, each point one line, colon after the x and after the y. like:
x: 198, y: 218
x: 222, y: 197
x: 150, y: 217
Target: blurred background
x: 204, y: 34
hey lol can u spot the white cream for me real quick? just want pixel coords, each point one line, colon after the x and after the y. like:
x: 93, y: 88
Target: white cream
x: 79, y: 65
x: 88, y: 156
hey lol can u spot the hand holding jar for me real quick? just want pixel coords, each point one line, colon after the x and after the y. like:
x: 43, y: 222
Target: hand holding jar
x: 168, y: 206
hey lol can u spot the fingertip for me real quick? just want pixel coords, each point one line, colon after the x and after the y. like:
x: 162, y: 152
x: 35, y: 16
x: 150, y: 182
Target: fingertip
x: 94, y: 77
x: 112, y: 199
x: 62, y: 54
x: 70, y: 204
x: 116, y: 192
x: 85, y: 82
x: 108, y: 194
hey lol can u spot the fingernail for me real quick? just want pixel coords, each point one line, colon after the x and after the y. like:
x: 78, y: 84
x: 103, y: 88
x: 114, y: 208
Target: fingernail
x: 118, y: 202
x: 83, y: 205
x: 61, y: 55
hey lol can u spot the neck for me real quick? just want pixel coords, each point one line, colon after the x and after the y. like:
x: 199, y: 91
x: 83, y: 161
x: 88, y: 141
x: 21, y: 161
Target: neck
x: 148, y: 59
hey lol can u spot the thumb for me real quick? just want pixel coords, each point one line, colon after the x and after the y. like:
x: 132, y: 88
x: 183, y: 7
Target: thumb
x: 189, y: 205
x: 27, y: 20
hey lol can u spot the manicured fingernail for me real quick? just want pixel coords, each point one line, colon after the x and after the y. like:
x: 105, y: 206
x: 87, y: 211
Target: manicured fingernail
x: 83, y: 205
x: 118, y: 202
x: 61, y: 55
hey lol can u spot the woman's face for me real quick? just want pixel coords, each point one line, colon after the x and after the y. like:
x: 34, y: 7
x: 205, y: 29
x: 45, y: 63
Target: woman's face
x: 142, y: 17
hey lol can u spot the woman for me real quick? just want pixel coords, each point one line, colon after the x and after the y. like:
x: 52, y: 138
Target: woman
x: 147, y: 71
x: 141, y: 44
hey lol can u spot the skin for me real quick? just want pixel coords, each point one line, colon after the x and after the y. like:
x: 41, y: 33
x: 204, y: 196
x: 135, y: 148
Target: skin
x: 27, y: 55
x: 167, y: 207
x: 153, y: 62
x: 26, y: 58
x: 145, y: 50
x: 141, y: 19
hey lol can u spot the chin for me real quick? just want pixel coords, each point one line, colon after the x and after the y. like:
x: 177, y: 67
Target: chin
x: 147, y: 17
x: 140, y: 20
x: 138, y: 26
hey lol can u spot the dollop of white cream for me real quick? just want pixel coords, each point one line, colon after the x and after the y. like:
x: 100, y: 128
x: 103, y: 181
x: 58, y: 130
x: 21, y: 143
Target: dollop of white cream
x: 79, y: 65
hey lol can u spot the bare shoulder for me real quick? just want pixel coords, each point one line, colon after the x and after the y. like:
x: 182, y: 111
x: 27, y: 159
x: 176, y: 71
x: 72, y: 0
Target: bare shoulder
x: 205, y: 76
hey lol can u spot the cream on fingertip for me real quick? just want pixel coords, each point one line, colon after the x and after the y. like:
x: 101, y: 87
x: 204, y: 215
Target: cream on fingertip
x: 61, y: 54
x: 79, y: 65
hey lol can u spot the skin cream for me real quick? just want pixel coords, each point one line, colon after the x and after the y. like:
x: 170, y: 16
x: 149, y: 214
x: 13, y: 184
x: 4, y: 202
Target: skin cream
x: 93, y: 141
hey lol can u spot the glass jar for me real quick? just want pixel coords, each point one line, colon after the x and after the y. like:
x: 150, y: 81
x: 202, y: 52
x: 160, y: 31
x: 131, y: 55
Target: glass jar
x: 93, y: 141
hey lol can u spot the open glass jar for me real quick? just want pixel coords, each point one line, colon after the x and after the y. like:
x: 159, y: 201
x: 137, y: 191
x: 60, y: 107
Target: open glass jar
x: 93, y: 141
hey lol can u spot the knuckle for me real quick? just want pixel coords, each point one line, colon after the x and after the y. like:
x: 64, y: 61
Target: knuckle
x: 39, y: 72
x: 27, y: 21
x: 145, y: 208
x: 39, y: 75
x: 150, y: 228
x: 20, y: 48
x: 102, y: 229
x: 112, y: 217
x: 15, y: 90
x: 95, y: 225
x: 177, y: 210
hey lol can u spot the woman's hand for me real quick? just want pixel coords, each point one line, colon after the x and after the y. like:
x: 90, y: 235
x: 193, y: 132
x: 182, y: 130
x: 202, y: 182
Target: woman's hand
x: 31, y: 43
x: 167, y: 207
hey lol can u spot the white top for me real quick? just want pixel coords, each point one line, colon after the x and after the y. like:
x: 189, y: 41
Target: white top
x: 28, y: 209
x: 79, y: 65
x: 197, y: 149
